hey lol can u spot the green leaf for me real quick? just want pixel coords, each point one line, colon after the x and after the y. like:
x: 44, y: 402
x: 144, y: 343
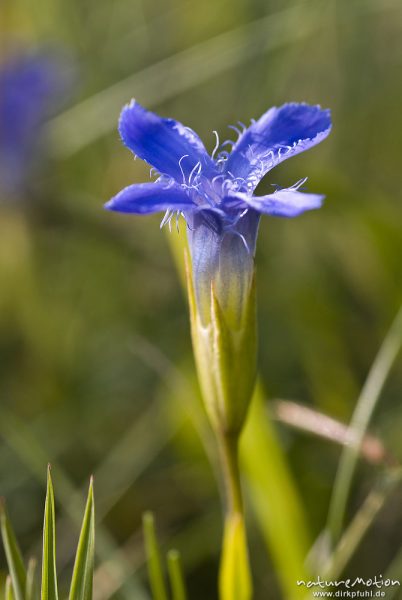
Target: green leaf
x: 13, y: 555
x: 82, y: 579
x: 154, y: 564
x: 49, y: 576
x: 274, y: 498
x: 176, y: 578
x: 8, y: 591
x: 30, y: 587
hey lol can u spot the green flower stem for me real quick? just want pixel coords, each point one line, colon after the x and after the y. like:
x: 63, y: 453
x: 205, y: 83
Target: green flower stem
x: 234, y: 574
x: 228, y: 444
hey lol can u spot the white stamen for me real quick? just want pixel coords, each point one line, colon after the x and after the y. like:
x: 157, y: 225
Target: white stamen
x: 214, y: 179
x: 235, y: 129
x: 228, y: 143
x: 193, y: 170
x: 298, y: 184
x: 165, y: 218
x: 216, y: 144
x: 181, y: 168
x: 243, y: 239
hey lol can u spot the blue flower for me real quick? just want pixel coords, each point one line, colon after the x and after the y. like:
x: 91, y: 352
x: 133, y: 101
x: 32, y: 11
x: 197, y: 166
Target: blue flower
x: 29, y: 86
x: 215, y: 194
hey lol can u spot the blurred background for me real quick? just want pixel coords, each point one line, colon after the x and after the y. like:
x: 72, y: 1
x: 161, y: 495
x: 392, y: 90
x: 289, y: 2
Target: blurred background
x: 96, y: 372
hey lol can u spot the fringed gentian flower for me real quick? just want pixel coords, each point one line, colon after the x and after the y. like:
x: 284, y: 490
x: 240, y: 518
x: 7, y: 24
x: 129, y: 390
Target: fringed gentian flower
x: 215, y: 195
x: 30, y: 84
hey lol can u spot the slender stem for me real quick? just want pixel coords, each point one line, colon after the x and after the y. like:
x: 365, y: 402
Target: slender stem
x: 228, y: 450
x: 235, y: 582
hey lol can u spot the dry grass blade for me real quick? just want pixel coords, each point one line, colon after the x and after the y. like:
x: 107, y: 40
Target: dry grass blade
x: 311, y: 421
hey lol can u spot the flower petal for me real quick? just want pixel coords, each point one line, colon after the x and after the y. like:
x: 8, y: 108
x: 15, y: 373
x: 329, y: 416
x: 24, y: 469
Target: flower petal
x: 166, y: 144
x: 283, y: 203
x: 147, y: 198
x: 279, y: 134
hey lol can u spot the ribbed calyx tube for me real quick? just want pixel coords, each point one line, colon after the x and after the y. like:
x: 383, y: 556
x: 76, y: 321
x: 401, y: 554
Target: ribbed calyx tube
x: 221, y: 288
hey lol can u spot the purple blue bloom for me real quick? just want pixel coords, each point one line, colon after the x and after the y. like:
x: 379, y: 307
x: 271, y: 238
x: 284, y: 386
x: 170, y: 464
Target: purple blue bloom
x: 29, y: 86
x: 215, y: 194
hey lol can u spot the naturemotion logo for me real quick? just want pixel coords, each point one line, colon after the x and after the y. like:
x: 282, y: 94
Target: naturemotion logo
x: 349, y: 588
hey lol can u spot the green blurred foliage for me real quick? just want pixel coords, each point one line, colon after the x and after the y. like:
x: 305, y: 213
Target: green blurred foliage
x: 94, y: 334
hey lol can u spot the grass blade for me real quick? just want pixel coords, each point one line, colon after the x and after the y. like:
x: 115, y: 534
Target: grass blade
x: 49, y: 576
x: 361, y: 417
x: 361, y: 522
x: 13, y: 555
x: 30, y: 588
x: 393, y: 573
x: 82, y: 579
x: 176, y: 578
x: 312, y: 421
x: 34, y: 454
x: 8, y: 590
x: 155, y: 571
